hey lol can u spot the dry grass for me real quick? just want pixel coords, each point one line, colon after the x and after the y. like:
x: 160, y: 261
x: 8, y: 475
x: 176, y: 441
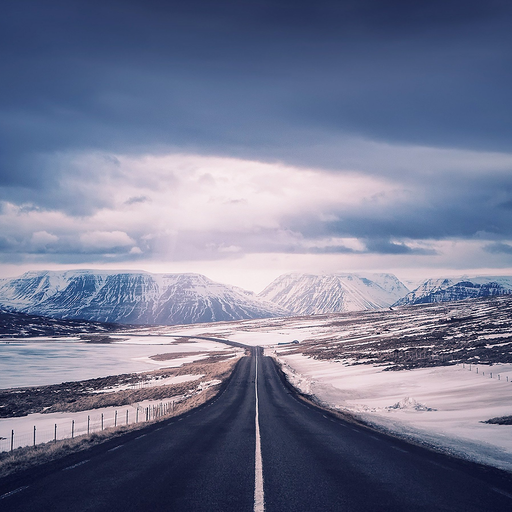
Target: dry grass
x: 83, y: 395
x: 173, y: 355
x: 502, y: 420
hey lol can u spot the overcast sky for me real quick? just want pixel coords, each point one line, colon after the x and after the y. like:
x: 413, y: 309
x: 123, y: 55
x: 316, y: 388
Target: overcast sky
x: 242, y: 139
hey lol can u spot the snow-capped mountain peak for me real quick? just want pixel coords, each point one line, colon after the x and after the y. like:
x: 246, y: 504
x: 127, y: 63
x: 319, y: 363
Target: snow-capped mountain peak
x: 131, y: 297
x: 330, y: 293
x: 453, y: 288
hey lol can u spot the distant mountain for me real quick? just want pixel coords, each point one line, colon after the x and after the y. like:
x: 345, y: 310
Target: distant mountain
x: 449, y: 289
x: 306, y: 294
x: 131, y: 297
x: 16, y: 324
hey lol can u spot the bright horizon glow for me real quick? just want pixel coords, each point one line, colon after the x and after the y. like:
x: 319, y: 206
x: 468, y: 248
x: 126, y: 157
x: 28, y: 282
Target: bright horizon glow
x: 244, y: 222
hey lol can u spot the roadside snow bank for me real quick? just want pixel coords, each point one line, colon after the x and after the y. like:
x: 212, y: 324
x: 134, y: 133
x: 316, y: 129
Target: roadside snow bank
x: 442, y: 406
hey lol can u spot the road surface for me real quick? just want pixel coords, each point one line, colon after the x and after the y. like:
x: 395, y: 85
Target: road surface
x: 303, y: 459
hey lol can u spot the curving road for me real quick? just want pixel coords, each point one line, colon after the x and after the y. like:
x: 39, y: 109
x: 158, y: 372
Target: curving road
x: 207, y: 460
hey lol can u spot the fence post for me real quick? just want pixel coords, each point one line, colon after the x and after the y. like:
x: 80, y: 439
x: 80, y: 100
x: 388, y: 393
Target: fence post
x: 55, y: 434
x: 34, y: 435
x: 127, y: 416
x: 12, y: 440
x: 115, y: 419
x: 101, y: 421
x: 72, y: 429
x: 137, y: 415
x: 88, y: 424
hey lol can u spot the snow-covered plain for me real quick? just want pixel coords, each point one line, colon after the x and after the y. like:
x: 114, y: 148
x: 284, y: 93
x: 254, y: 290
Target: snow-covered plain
x: 441, y: 406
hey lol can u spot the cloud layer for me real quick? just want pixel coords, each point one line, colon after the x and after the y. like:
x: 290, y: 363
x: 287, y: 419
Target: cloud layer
x: 186, y: 131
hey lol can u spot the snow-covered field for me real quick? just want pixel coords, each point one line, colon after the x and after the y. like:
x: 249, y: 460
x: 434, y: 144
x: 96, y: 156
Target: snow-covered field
x: 443, y: 406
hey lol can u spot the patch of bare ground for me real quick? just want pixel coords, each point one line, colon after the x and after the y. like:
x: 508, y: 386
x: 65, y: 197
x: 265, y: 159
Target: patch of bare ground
x: 84, y: 395
x: 502, y: 420
x: 184, y: 339
x: 24, y: 458
x: 99, y: 338
x: 174, y: 355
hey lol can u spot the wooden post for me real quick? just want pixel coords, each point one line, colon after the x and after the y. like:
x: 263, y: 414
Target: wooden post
x: 55, y: 434
x: 12, y: 440
x: 101, y: 421
x: 72, y: 429
x: 88, y: 424
x: 137, y: 415
x: 115, y: 419
x: 34, y: 435
x: 127, y: 416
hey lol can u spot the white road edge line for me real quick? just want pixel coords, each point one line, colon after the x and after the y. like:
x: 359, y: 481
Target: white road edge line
x: 259, y: 497
x: 16, y: 491
x: 503, y: 493
x: 115, y: 448
x: 76, y: 465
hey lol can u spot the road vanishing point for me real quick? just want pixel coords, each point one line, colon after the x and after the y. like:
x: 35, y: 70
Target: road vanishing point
x: 257, y: 447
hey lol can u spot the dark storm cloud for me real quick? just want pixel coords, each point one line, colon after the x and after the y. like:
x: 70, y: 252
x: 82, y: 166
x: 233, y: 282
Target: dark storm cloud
x: 440, y: 206
x: 383, y: 246
x: 257, y: 78
x: 499, y: 248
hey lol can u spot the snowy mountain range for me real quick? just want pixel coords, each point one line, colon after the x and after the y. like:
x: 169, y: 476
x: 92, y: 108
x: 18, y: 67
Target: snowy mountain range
x: 131, y: 297
x: 449, y: 289
x: 170, y: 299
x: 306, y: 294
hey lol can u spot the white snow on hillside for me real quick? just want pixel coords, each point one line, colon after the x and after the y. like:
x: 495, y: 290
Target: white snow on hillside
x: 306, y: 294
x: 441, y: 406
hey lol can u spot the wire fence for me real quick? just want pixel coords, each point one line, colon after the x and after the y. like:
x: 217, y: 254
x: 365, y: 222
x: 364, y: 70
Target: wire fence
x: 492, y: 375
x: 68, y: 428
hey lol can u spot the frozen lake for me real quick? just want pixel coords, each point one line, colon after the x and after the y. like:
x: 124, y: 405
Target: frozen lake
x: 41, y: 361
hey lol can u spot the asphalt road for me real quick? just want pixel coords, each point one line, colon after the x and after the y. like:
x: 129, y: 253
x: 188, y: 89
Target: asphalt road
x: 205, y: 461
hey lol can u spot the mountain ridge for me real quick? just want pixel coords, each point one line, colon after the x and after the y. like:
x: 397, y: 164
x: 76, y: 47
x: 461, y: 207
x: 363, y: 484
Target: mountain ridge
x: 448, y: 289
x: 131, y: 297
x: 304, y: 293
